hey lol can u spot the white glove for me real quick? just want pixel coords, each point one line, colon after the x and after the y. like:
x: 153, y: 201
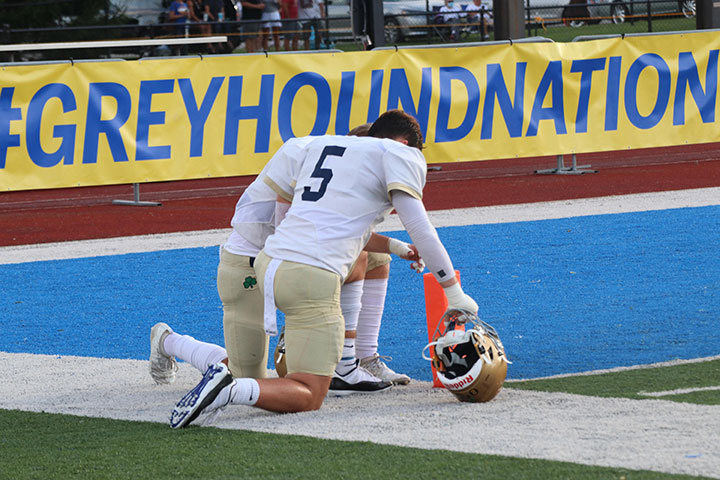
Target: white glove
x: 459, y: 300
x: 418, y: 266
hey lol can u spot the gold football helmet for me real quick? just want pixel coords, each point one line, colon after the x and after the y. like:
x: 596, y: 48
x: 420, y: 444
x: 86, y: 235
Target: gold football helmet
x: 280, y: 366
x: 468, y: 356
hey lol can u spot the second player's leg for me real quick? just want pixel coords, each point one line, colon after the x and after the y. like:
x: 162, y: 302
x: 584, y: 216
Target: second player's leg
x: 245, y: 338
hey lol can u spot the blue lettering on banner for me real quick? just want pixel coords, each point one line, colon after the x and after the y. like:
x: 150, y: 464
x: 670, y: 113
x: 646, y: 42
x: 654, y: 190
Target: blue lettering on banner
x: 612, y: 94
x: 147, y: 117
x: 198, y: 116
x: 552, y: 81
x: 344, y: 106
x: 585, y: 68
x: 443, y: 133
x: 648, y: 60
x: 8, y: 113
x: 262, y: 112
x: 287, y: 97
x: 66, y: 150
x: 94, y: 126
x: 691, y: 86
x: 688, y: 77
x: 399, y: 94
x: 376, y: 80
x: 512, y: 111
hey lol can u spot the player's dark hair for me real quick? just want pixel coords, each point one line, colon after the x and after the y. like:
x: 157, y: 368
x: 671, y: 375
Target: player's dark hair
x: 396, y: 123
x: 360, y: 130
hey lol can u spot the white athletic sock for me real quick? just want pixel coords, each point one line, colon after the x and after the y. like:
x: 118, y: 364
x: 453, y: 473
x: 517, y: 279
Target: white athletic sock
x: 350, y: 302
x: 200, y: 354
x: 370, y: 318
x: 245, y: 392
x: 347, y: 362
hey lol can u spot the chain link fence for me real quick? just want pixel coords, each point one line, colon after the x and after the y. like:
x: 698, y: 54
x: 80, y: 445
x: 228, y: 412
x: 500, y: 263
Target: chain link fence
x: 406, y: 22
x: 566, y: 20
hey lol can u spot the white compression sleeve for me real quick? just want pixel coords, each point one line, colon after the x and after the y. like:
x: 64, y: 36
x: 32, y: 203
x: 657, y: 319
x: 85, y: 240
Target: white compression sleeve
x: 415, y: 220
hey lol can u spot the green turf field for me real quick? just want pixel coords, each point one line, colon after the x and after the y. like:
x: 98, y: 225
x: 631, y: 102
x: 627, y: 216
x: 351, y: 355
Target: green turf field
x: 48, y: 446
x: 44, y: 446
x: 701, y: 379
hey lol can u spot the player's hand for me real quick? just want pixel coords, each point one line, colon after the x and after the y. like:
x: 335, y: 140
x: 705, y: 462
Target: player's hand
x: 459, y: 300
x: 403, y: 250
x: 418, y: 266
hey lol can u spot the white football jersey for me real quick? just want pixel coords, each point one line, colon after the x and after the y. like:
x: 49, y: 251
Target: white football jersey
x: 254, y: 218
x: 342, y: 192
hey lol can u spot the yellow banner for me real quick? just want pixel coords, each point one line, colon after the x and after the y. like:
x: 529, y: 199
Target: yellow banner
x: 114, y: 122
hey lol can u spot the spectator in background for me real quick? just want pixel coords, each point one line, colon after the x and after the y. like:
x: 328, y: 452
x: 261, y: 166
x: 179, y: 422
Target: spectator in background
x: 215, y: 12
x: 233, y: 13
x: 272, y: 24
x: 195, y: 9
x: 451, y: 15
x: 179, y: 13
x: 197, y: 14
x: 252, y: 11
x: 309, y: 14
x: 291, y: 26
x: 479, y: 16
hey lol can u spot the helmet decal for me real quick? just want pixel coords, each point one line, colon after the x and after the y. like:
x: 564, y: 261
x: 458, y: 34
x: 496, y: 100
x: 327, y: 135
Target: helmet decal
x: 468, y: 356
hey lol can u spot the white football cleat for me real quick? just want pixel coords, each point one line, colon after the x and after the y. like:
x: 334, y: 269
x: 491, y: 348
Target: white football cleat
x: 357, y: 380
x: 162, y: 366
x: 378, y: 368
x: 202, y: 398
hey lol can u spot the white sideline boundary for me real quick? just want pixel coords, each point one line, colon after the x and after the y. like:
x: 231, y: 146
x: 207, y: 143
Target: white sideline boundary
x: 700, y: 197
x: 678, y: 391
x: 650, y: 434
x: 669, y: 363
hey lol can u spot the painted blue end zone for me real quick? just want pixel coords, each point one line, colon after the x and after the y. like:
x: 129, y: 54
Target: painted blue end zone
x: 565, y: 295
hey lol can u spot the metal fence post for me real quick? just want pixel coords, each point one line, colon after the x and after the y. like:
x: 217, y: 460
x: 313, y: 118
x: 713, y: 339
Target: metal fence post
x: 561, y: 169
x: 135, y: 202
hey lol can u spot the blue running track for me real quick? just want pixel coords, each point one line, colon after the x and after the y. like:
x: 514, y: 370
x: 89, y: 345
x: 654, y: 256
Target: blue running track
x: 565, y: 295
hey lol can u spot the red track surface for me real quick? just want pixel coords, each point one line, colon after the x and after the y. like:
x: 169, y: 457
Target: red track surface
x: 82, y: 213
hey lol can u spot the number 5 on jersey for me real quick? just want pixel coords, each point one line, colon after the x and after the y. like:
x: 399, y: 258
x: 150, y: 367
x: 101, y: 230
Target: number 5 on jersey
x: 325, y: 174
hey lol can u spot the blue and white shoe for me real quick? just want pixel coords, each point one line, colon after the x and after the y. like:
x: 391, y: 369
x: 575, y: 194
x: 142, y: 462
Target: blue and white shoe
x: 215, y: 379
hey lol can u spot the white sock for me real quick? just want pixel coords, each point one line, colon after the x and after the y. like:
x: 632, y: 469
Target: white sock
x: 350, y: 302
x: 200, y: 354
x: 370, y: 318
x: 347, y: 362
x: 245, y: 392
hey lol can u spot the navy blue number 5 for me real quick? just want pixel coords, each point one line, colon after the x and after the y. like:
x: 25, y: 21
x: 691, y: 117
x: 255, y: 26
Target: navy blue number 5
x: 325, y: 174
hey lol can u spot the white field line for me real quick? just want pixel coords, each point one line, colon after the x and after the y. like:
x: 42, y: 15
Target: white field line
x: 678, y: 391
x: 652, y: 434
x: 441, y: 218
x: 669, y: 363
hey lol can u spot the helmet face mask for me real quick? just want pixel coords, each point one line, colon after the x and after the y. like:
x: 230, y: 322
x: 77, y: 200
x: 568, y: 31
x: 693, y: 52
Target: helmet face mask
x: 468, y: 356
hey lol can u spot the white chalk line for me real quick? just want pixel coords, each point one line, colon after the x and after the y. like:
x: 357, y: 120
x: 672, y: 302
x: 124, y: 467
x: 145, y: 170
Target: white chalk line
x: 678, y: 391
x: 641, y: 202
x: 650, y: 434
